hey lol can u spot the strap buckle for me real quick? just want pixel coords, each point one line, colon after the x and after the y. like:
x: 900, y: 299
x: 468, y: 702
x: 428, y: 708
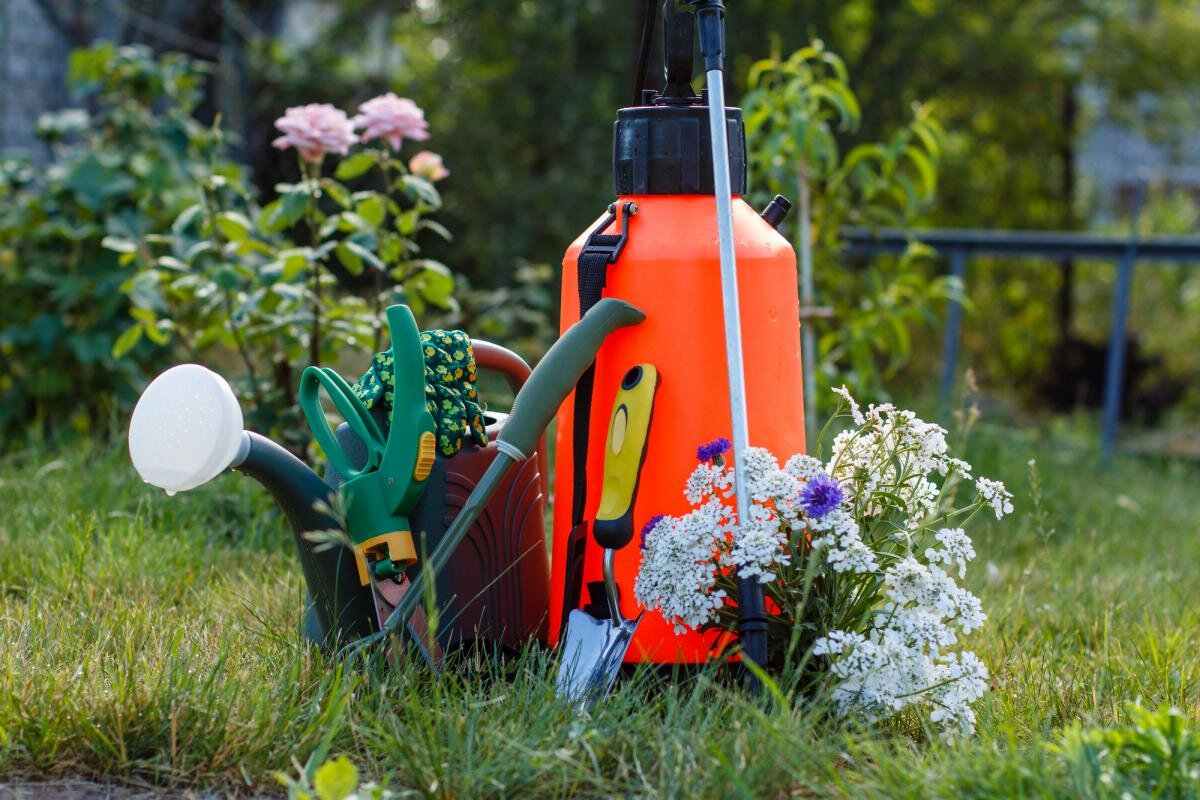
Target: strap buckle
x: 610, y: 245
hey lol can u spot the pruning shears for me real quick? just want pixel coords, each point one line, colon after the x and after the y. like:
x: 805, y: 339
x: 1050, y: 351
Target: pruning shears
x: 380, y: 494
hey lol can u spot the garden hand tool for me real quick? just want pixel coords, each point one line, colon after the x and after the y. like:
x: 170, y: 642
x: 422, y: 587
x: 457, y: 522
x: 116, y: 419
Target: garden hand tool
x: 380, y: 495
x: 710, y: 20
x: 496, y: 587
x: 537, y: 401
x: 593, y: 649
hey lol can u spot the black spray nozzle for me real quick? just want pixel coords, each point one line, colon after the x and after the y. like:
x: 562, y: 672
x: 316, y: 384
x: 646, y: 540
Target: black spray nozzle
x: 776, y: 211
x: 710, y: 18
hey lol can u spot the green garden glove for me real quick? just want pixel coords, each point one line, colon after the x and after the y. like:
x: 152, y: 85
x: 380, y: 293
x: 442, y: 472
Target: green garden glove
x: 450, y: 392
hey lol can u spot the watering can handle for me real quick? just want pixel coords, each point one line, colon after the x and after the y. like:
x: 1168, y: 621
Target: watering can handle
x: 352, y: 410
x: 493, y: 357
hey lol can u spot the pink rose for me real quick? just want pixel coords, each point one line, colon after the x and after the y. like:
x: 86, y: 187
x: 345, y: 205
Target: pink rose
x: 314, y: 130
x: 392, y: 118
x: 428, y: 165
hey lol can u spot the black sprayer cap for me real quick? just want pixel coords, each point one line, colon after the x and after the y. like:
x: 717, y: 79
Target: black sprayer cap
x: 667, y: 149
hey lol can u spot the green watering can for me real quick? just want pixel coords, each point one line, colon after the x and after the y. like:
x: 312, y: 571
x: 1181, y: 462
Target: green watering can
x: 380, y: 496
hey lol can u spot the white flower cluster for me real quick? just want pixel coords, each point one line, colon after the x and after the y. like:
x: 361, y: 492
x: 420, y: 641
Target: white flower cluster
x: 995, y: 493
x: 682, y: 557
x: 845, y: 551
x: 870, y: 517
x: 903, y: 658
x: 678, y: 573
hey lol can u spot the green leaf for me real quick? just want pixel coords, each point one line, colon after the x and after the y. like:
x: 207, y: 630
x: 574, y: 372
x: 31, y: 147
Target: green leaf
x: 127, y: 340
x: 372, y: 211
x: 95, y: 182
x: 233, y: 226
x: 350, y: 259
x: 339, y: 193
x: 159, y: 332
x: 226, y: 277
x: 925, y: 169
x: 295, y: 261
x: 355, y: 165
x: 187, y: 217
x: 362, y: 253
x: 351, y: 222
x: 172, y: 263
x: 143, y: 315
x: 435, y: 282
x: 423, y: 190
x: 336, y: 779
x: 329, y: 226
x: 285, y: 211
x: 438, y: 228
x: 89, y: 64
x: 119, y: 244
x: 406, y: 222
x: 198, y: 249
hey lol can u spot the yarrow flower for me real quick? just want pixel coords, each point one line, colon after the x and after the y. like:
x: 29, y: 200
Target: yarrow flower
x: 996, y: 495
x: 392, y: 119
x: 428, y: 165
x: 889, y: 614
x: 678, y: 575
x: 820, y: 495
x: 715, y: 448
x: 315, y: 130
x: 956, y: 548
x: 802, y: 467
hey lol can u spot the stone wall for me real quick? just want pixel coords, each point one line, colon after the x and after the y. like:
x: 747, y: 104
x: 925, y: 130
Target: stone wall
x: 33, y: 56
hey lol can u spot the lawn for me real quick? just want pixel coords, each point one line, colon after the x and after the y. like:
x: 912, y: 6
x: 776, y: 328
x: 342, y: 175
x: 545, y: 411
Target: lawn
x: 153, y: 641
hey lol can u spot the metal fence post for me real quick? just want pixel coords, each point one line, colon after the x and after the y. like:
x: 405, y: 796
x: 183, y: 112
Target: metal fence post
x: 954, y: 312
x: 1114, y: 371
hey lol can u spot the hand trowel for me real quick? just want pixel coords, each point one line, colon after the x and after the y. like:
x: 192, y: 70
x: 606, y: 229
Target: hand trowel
x: 593, y: 649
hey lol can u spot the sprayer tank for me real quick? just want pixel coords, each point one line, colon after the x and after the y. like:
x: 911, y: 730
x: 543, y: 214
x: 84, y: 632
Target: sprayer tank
x: 670, y: 269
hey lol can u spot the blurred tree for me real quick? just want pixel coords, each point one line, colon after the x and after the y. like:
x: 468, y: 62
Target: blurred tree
x: 521, y: 96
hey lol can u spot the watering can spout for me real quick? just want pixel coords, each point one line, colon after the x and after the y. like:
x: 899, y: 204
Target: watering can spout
x: 341, y: 608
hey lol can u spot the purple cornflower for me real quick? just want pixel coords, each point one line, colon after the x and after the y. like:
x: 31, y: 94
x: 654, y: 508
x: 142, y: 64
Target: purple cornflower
x: 648, y: 527
x: 821, y: 495
x: 713, y: 450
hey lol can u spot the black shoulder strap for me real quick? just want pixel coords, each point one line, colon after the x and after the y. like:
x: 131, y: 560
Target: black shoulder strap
x: 599, y: 250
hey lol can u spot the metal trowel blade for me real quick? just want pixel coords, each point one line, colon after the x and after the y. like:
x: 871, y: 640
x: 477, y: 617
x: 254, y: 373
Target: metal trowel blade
x: 592, y: 653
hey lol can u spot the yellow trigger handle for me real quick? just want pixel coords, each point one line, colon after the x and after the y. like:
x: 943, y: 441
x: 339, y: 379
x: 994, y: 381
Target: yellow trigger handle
x: 628, y: 430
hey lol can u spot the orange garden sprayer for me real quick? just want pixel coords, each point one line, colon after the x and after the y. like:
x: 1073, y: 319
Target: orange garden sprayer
x: 708, y: 271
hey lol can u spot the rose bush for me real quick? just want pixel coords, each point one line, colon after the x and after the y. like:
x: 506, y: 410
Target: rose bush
x: 304, y: 279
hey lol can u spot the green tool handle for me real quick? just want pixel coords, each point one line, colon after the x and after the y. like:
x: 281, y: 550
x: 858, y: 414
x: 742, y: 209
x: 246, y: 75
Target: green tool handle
x: 549, y: 384
x: 351, y: 408
x: 557, y: 373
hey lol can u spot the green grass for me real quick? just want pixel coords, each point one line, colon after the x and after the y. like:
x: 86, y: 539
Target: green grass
x: 154, y: 641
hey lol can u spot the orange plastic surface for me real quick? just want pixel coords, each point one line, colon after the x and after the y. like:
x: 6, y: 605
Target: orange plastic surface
x: 670, y: 270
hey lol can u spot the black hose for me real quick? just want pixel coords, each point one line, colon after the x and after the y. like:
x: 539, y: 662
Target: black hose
x: 649, y: 18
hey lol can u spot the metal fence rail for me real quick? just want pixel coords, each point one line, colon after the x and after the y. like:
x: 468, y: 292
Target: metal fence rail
x: 959, y: 245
